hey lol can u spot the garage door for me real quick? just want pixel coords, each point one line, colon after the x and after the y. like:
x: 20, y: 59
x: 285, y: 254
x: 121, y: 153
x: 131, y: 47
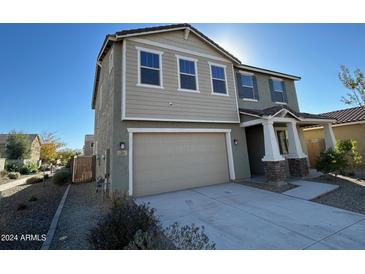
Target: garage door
x: 165, y: 162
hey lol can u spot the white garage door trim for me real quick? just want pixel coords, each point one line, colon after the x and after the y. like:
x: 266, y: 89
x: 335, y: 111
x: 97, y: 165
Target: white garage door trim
x: 189, y: 130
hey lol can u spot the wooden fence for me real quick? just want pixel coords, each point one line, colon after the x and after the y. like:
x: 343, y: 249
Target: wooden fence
x: 83, y: 169
x: 315, y: 147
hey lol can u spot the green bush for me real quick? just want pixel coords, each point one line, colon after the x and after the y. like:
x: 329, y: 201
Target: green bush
x: 35, y: 180
x: 12, y: 167
x: 340, y: 159
x: 132, y: 226
x: 13, y: 175
x: 28, y: 168
x: 62, y: 177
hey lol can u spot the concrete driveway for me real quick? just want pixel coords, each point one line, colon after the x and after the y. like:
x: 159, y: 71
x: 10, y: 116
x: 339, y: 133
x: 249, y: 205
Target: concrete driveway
x: 241, y: 217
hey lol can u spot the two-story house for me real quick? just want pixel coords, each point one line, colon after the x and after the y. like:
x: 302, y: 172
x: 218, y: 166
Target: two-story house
x: 174, y: 110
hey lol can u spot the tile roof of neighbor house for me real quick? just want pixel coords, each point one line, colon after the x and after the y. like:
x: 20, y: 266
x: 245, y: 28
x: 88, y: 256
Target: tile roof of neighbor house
x: 275, y: 109
x: 110, y: 38
x: 31, y: 137
x: 348, y: 115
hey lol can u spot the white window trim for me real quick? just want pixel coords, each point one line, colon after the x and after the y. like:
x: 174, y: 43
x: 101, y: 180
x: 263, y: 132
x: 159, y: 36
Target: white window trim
x: 178, y: 57
x: 139, y: 49
x: 249, y: 100
x: 281, y: 103
x: 225, y: 78
x: 131, y: 132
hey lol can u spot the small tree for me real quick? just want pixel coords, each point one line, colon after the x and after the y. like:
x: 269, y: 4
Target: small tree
x: 50, y: 145
x: 65, y: 155
x: 17, y: 146
x: 356, y: 83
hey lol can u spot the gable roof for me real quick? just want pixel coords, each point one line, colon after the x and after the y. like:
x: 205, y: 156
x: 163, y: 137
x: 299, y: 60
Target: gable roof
x: 119, y: 36
x: 272, y: 111
x: 31, y: 137
x: 348, y: 115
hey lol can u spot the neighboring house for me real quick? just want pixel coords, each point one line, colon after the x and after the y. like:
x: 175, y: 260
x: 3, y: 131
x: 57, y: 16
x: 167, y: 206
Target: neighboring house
x: 350, y: 125
x: 88, y: 149
x: 174, y: 110
x: 35, y: 146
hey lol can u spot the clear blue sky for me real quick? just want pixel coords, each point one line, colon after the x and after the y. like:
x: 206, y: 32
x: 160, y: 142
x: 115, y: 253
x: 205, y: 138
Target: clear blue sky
x: 47, y: 70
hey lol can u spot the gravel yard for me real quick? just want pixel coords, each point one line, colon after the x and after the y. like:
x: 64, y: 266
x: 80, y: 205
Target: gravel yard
x: 82, y: 210
x: 26, y: 211
x: 350, y: 195
x: 269, y: 187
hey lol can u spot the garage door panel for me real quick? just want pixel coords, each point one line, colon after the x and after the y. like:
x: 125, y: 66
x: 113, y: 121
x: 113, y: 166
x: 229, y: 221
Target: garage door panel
x: 174, y: 161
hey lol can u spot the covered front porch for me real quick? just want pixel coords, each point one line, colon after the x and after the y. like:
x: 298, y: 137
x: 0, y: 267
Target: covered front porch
x: 275, y: 141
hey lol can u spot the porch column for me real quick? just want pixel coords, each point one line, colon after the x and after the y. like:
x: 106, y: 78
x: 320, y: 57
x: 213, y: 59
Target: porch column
x: 329, y: 137
x: 272, y: 152
x: 274, y: 163
x: 297, y: 159
x: 295, y: 147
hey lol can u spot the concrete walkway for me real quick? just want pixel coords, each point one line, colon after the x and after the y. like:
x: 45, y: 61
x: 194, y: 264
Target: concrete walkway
x: 241, y: 217
x: 309, y: 190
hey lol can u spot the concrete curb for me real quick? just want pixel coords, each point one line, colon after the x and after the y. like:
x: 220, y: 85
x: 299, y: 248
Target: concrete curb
x: 52, y: 228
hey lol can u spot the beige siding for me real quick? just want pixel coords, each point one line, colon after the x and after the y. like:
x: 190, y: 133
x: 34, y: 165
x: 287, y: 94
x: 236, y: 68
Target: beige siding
x: 154, y: 103
x: 265, y: 94
x: 176, y: 39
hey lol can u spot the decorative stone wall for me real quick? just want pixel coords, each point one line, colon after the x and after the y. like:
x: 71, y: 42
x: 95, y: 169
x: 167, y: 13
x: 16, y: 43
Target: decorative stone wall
x: 298, y: 167
x: 275, y: 171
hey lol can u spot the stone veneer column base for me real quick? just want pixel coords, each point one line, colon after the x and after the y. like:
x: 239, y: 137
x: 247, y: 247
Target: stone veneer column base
x: 275, y: 171
x: 298, y: 167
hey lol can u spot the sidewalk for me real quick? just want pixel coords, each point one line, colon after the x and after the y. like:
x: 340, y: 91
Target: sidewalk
x: 309, y: 190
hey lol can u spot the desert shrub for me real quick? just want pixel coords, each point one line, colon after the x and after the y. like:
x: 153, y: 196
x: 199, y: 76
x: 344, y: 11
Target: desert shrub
x: 188, y: 237
x: 118, y: 228
x: 35, y: 180
x: 13, y: 175
x: 13, y: 167
x: 28, y: 168
x: 62, y: 177
x: 22, y: 207
x: 132, y: 226
x: 151, y: 239
x: 340, y: 159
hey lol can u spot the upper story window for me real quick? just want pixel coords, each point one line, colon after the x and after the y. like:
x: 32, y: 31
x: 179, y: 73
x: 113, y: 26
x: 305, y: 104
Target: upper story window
x: 150, y: 72
x: 187, y: 70
x: 218, y: 75
x: 247, y: 86
x: 278, y: 92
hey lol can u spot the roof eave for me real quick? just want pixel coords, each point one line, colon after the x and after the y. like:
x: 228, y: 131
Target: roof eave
x: 267, y: 71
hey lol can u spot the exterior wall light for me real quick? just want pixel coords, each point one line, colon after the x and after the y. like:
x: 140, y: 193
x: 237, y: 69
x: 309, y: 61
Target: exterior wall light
x: 235, y: 141
x: 122, y: 145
